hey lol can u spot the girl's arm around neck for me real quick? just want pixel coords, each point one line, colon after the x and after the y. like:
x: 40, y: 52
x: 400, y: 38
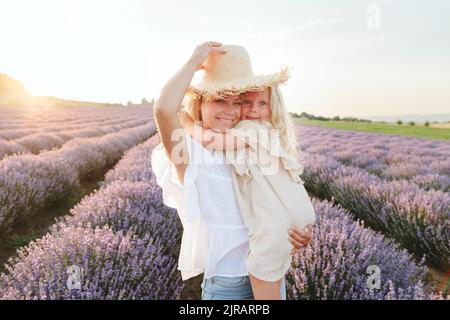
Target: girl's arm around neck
x: 209, y: 138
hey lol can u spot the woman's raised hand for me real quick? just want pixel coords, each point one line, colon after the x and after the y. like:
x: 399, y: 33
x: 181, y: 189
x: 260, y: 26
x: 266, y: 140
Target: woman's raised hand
x: 202, y: 51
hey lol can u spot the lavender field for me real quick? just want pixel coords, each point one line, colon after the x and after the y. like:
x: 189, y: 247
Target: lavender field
x: 37, y: 129
x: 42, y: 172
x: 396, y: 185
x: 126, y: 241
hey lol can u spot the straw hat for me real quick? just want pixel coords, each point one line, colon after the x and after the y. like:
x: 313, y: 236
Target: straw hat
x: 232, y: 73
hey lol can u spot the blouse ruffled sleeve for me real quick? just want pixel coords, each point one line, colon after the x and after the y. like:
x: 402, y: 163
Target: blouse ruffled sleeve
x: 166, y: 177
x: 183, y: 197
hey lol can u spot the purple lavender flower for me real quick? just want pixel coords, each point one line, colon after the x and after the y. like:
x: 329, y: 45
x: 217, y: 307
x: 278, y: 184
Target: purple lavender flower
x: 334, y: 265
x: 114, y: 265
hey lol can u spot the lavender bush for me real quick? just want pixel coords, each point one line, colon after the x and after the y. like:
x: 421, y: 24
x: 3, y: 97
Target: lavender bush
x: 115, y: 266
x: 129, y: 206
x: 135, y: 164
x: 417, y: 219
x: 335, y: 264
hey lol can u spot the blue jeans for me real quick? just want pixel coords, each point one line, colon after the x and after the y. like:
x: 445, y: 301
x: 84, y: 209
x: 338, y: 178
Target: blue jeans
x: 231, y: 288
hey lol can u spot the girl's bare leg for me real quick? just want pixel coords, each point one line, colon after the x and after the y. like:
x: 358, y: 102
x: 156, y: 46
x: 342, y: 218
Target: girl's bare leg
x: 265, y: 290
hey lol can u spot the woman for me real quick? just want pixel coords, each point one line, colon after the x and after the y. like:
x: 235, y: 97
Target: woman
x: 196, y: 180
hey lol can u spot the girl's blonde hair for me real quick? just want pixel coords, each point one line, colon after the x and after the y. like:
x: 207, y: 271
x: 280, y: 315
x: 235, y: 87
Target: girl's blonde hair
x: 280, y: 119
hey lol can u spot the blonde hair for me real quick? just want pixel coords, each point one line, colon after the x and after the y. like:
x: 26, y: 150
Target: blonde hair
x: 192, y: 105
x: 282, y: 121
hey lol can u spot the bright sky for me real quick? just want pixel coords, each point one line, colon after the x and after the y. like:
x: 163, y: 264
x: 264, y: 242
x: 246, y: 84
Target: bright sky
x: 348, y: 57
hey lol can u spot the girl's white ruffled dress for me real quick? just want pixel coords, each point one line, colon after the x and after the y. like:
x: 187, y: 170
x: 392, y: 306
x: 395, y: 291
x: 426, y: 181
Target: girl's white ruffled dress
x: 271, y: 197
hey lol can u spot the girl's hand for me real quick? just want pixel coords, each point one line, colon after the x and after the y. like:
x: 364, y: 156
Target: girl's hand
x: 299, y: 238
x: 202, y: 51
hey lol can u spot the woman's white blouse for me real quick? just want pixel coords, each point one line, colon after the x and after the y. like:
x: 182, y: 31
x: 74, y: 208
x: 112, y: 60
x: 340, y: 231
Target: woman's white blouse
x: 215, y: 238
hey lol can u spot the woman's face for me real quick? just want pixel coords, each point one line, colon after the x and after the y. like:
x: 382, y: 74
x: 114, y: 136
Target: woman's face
x: 221, y: 114
x: 256, y: 105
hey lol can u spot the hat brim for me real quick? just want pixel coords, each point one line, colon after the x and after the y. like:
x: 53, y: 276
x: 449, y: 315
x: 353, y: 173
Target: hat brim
x: 217, y: 90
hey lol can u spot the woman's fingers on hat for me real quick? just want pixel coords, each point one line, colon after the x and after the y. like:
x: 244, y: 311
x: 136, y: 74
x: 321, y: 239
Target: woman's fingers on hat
x: 217, y: 50
x: 211, y: 44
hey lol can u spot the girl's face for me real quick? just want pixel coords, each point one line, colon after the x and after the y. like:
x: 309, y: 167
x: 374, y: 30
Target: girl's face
x: 256, y: 105
x: 221, y: 114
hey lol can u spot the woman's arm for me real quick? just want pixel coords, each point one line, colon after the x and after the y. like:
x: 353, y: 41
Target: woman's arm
x: 209, y: 138
x: 169, y: 101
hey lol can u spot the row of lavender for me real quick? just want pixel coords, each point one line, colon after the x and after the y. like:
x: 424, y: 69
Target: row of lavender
x: 14, y: 131
x: 333, y: 267
x: 40, y: 141
x: 121, y: 237
x: 31, y: 130
x: 424, y: 162
x: 417, y: 218
x: 11, y: 129
x: 30, y: 182
x: 44, y: 117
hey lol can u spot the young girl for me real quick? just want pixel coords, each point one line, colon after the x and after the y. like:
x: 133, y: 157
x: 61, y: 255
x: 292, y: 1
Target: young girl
x: 262, y: 149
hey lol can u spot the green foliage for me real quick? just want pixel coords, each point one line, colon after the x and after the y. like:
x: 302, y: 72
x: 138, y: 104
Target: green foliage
x: 388, y: 128
x: 305, y: 115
